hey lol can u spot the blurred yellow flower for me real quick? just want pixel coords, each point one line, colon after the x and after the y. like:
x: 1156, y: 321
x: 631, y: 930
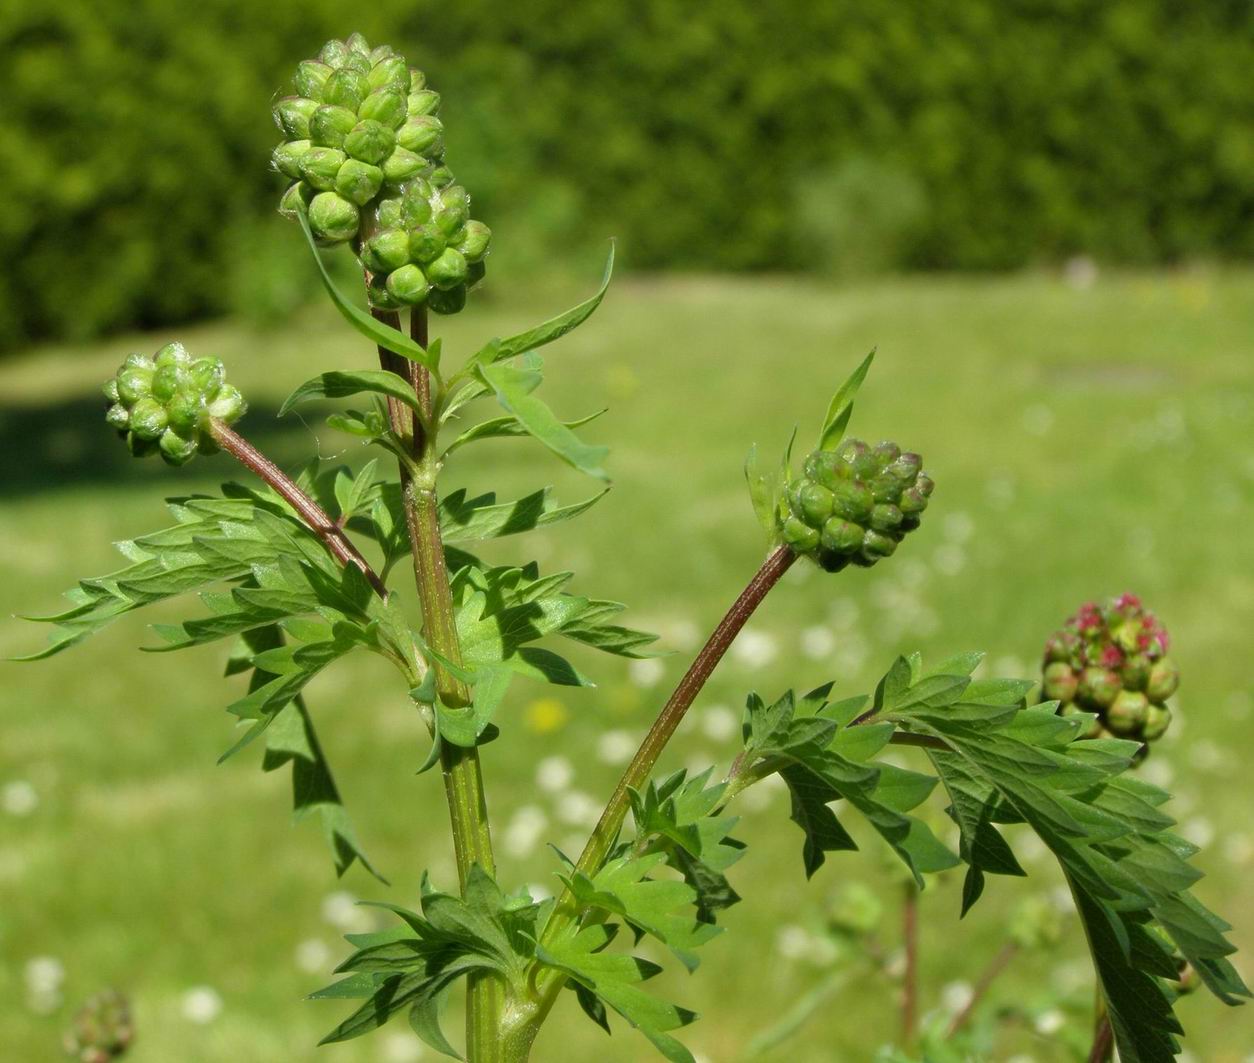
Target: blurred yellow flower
x: 545, y: 715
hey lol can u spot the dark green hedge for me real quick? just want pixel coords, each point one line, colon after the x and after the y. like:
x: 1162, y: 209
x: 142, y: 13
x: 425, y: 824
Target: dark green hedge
x: 971, y: 134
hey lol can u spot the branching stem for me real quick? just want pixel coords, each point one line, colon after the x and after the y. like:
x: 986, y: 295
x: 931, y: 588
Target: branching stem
x: 642, y: 764
x: 990, y: 974
x: 315, y: 517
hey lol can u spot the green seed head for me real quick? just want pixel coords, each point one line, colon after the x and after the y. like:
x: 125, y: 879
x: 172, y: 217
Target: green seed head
x: 286, y: 157
x: 475, y: 240
x: 164, y: 405
x: 1060, y: 682
x: 426, y: 244
x: 385, y: 106
x: 292, y: 115
x: 1164, y: 678
x: 320, y: 167
x: 448, y: 271
x: 1127, y: 713
x: 370, y: 141
x: 848, y: 498
x: 1157, y: 720
x: 448, y: 301
x: 346, y: 87
x: 402, y: 165
x: 423, y: 101
x: 386, y: 251
x: 422, y: 134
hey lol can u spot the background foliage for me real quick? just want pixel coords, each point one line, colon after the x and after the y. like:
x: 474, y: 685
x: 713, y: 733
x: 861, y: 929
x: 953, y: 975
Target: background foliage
x: 840, y: 137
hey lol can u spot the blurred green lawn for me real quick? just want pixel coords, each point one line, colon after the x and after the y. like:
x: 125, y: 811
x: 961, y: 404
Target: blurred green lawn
x: 1084, y: 441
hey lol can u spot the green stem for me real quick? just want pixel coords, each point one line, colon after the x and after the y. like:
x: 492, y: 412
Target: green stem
x: 548, y: 983
x: 463, y: 776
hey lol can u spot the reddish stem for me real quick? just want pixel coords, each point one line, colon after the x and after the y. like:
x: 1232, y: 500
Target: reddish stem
x: 315, y: 517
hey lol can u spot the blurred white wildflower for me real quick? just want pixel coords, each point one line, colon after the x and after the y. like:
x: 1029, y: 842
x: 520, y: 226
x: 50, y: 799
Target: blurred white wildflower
x: 19, y: 798
x: 1000, y: 490
x: 524, y: 830
x: 313, y: 956
x: 578, y: 808
x: 45, y: 975
x: 402, y: 1048
x: 1008, y: 666
x: 1157, y: 771
x: 646, y: 673
x: 1199, y: 830
x: 554, y: 773
x: 754, y: 648
x: 201, y: 1005
x: 949, y: 559
x: 616, y: 747
x: 958, y: 527
x: 792, y: 942
x: 956, y: 995
x: 1080, y: 272
x: 817, y: 642
x: 342, y: 911
x: 719, y: 723
x: 1238, y: 849
x: 1048, y: 1023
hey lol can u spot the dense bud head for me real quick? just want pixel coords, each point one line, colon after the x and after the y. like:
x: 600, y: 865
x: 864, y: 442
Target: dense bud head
x: 102, y: 1029
x: 1118, y: 650
x: 165, y: 404
x: 364, y: 149
x: 847, y: 508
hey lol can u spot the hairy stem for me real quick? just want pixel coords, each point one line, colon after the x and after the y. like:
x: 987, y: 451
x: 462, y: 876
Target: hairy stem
x: 910, y: 983
x: 463, y: 777
x: 642, y: 764
x: 315, y: 517
x: 990, y: 974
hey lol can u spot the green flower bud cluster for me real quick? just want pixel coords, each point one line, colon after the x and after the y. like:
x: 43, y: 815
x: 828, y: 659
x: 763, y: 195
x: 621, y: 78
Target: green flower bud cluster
x: 425, y: 248
x: 164, y: 404
x: 854, y: 504
x: 364, y: 149
x: 102, y: 1029
x: 1112, y: 660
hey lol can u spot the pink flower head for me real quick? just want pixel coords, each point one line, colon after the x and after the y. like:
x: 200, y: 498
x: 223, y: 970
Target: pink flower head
x: 1128, y: 601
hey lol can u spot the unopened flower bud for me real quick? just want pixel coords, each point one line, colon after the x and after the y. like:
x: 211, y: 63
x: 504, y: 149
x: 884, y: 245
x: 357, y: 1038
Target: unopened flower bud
x: 1127, y: 713
x: 286, y: 157
x: 295, y: 200
x: 148, y: 419
x: 320, y: 166
x: 332, y: 217
x: 408, y: 285
x: 1135, y: 671
x: 1098, y: 687
x: 422, y: 134
x: 1157, y: 720
x: 389, y: 72
x: 358, y: 181
x: 448, y: 301
x: 345, y: 88
x: 292, y: 115
x: 424, y: 101
x: 177, y: 449
x: 386, y: 251
x: 370, y: 141
x: 475, y: 240
x: 311, y: 76
x: 426, y: 244
x: 401, y: 165
x: 388, y: 214
x: 385, y: 106
x: 1164, y: 678
x: 330, y: 125
x: 1060, y: 682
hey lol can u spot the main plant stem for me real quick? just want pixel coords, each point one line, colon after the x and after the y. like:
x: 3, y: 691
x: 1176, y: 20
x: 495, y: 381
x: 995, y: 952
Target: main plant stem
x: 463, y: 776
x: 642, y: 764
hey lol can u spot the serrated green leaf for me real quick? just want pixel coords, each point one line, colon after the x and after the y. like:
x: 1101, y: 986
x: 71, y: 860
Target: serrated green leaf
x: 466, y: 520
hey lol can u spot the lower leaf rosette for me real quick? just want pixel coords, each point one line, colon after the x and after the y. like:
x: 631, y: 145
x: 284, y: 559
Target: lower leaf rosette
x: 853, y: 505
x: 1111, y: 660
x: 164, y: 404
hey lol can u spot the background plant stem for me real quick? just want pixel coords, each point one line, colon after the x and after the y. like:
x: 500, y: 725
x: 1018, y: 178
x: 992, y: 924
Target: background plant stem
x: 910, y: 984
x: 463, y: 776
x: 642, y: 764
x: 996, y: 966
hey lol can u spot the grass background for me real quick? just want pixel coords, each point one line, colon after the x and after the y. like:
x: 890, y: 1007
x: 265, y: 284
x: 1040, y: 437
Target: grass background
x: 1086, y: 439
